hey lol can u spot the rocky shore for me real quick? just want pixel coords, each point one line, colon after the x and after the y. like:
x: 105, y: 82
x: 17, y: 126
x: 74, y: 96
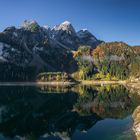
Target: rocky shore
x: 136, y: 125
x: 133, y: 87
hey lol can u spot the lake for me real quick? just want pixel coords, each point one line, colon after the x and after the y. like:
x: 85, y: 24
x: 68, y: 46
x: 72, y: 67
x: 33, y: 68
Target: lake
x: 67, y: 113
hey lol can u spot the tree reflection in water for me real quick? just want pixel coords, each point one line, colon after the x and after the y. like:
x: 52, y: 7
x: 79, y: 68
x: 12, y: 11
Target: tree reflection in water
x: 33, y: 112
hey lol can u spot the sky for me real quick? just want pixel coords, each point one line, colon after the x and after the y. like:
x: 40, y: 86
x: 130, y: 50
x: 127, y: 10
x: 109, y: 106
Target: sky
x: 108, y: 20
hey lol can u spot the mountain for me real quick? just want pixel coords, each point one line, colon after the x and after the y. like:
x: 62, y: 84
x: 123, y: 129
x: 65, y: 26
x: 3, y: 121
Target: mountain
x: 65, y: 34
x: 42, y: 48
x: 87, y: 38
x: 31, y: 49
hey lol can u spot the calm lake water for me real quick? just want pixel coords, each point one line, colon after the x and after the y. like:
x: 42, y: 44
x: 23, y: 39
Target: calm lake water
x: 65, y: 113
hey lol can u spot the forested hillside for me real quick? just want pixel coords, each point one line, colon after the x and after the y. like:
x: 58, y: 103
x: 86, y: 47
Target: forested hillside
x: 108, y: 61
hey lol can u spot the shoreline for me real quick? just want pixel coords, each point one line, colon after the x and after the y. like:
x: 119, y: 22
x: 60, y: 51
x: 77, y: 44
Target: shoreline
x: 99, y: 82
x: 132, y: 86
x: 35, y: 83
x: 84, y: 82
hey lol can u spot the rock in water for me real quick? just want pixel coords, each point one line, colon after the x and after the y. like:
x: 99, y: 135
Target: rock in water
x: 136, y: 125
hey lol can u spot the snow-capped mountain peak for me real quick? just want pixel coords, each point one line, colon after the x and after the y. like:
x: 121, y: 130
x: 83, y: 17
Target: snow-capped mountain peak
x: 66, y: 23
x: 84, y: 30
x: 65, y: 26
x: 46, y: 27
x: 84, y: 33
x: 31, y: 25
x: 27, y: 23
x: 87, y: 38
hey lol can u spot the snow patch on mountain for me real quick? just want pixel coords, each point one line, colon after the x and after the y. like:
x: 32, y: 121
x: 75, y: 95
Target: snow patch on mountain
x: 85, y: 29
x: 27, y: 23
x: 46, y: 27
x: 65, y: 26
x: 1, y: 48
x: 15, y: 34
x: 66, y: 23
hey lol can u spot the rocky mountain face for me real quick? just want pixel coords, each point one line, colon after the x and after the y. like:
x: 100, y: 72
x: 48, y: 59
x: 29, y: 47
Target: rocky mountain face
x: 87, y: 38
x: 43, y: 48
x: 65, y: 34
x: 30, y: 38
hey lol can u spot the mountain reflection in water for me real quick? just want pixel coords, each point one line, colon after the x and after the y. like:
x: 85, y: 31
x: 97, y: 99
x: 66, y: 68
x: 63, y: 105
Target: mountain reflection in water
x: 31, y: 113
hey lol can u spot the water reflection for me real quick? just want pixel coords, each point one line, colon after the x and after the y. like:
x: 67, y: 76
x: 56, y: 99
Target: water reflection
x: 107, y: 101
x: 57, y: 113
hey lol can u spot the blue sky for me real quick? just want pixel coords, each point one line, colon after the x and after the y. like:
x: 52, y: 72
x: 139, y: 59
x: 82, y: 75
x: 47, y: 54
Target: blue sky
x: 108, y: 20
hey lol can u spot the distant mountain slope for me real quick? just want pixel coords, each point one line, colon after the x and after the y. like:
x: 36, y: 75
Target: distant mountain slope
x: 87, y: 38
x: 108, y: 61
